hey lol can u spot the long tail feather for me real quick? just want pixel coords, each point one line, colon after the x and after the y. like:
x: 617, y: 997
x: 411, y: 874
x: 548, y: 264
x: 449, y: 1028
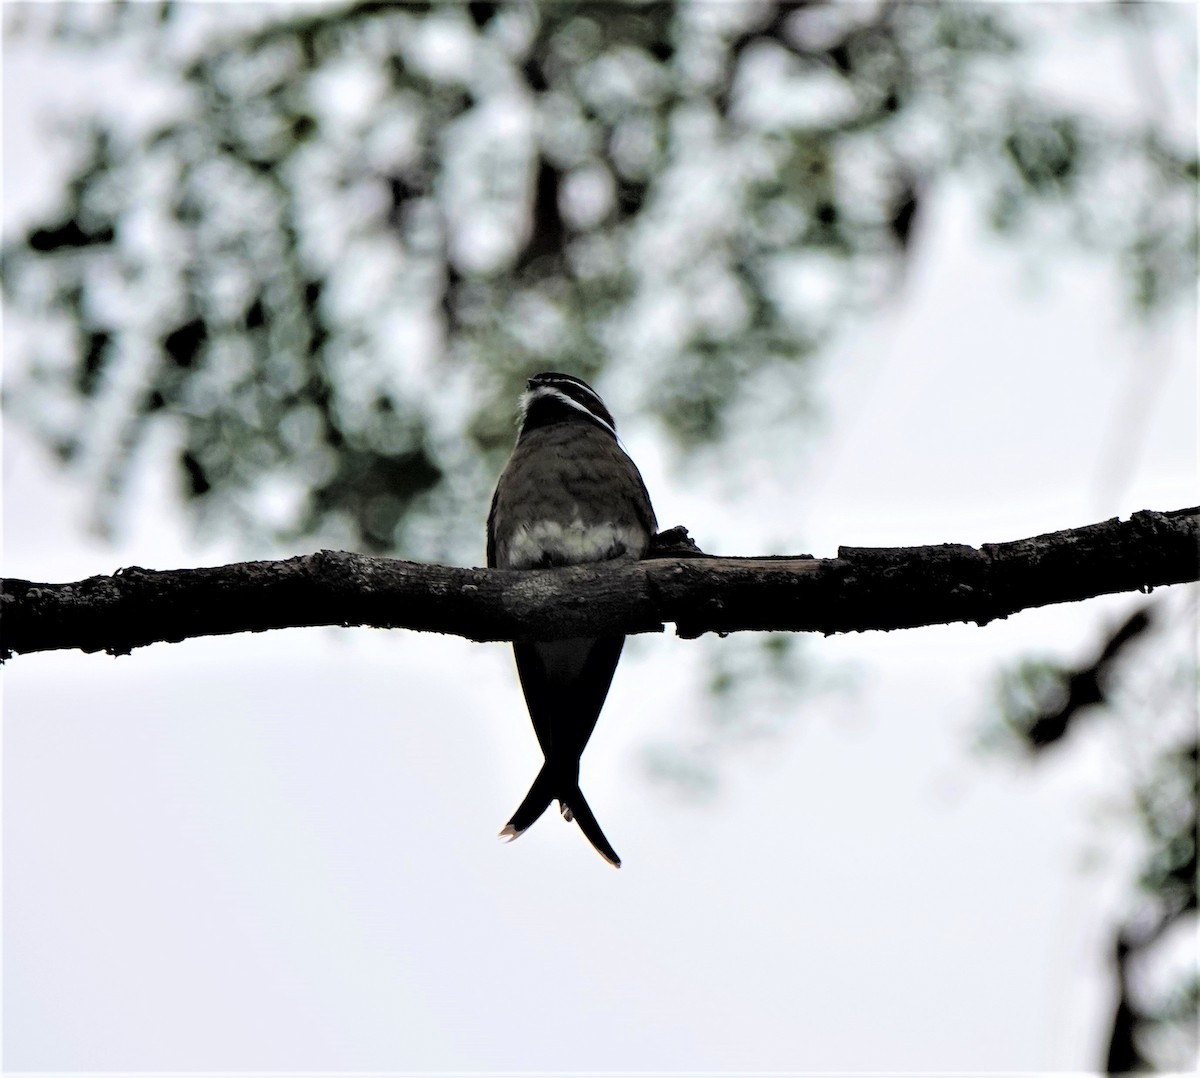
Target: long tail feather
x: 541, y: 793
x: 578, y: 807
x: 545, y: 789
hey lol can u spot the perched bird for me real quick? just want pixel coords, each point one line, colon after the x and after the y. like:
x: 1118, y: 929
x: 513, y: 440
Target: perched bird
x: 568, y: 495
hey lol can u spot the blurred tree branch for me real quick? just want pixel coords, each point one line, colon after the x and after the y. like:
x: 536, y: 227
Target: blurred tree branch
x: 1042, y: 700
x: 327, y: 260
x: 1044, y: 703
x: 862, y: 588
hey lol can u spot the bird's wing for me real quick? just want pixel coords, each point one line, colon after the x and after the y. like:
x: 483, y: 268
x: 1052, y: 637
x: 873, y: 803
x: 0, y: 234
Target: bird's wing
x: 491, y: 530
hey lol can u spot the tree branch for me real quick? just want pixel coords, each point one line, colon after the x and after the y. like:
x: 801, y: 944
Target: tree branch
x: 862, y: 588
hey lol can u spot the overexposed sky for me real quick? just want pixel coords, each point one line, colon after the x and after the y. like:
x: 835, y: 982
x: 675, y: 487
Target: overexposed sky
x: 277, y: 851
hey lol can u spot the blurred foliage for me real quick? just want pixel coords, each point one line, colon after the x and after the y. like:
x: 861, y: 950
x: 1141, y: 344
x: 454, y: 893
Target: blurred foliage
x: 316, y: 249
x: 331, y: 241
x: 1152, y: 689
x: 1152, y: 1031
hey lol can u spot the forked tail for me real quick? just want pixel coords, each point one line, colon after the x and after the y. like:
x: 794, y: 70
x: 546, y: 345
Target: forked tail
x: 546, y: 787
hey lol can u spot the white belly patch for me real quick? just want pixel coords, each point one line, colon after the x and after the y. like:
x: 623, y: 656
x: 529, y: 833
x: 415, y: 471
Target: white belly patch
x: 550, y: 542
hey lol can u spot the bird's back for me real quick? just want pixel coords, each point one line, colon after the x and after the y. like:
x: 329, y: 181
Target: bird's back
x: 569, y: 495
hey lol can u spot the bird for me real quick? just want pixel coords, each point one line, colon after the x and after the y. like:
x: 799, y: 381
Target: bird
x: 569, y: 495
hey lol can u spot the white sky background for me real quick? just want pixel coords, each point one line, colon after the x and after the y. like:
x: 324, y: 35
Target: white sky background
x: 277, y: 852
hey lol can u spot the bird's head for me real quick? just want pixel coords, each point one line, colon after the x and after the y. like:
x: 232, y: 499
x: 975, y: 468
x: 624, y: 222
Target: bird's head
x: 551, y: 397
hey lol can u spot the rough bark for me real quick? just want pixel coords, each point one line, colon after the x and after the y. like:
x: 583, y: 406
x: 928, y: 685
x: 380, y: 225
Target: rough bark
x: 862, y: 588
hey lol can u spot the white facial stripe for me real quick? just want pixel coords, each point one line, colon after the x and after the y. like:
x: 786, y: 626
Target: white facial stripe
x: 549, y: 391
x: 583, y: 387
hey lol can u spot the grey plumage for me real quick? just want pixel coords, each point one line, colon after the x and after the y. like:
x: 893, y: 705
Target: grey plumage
x: 568, y: 495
